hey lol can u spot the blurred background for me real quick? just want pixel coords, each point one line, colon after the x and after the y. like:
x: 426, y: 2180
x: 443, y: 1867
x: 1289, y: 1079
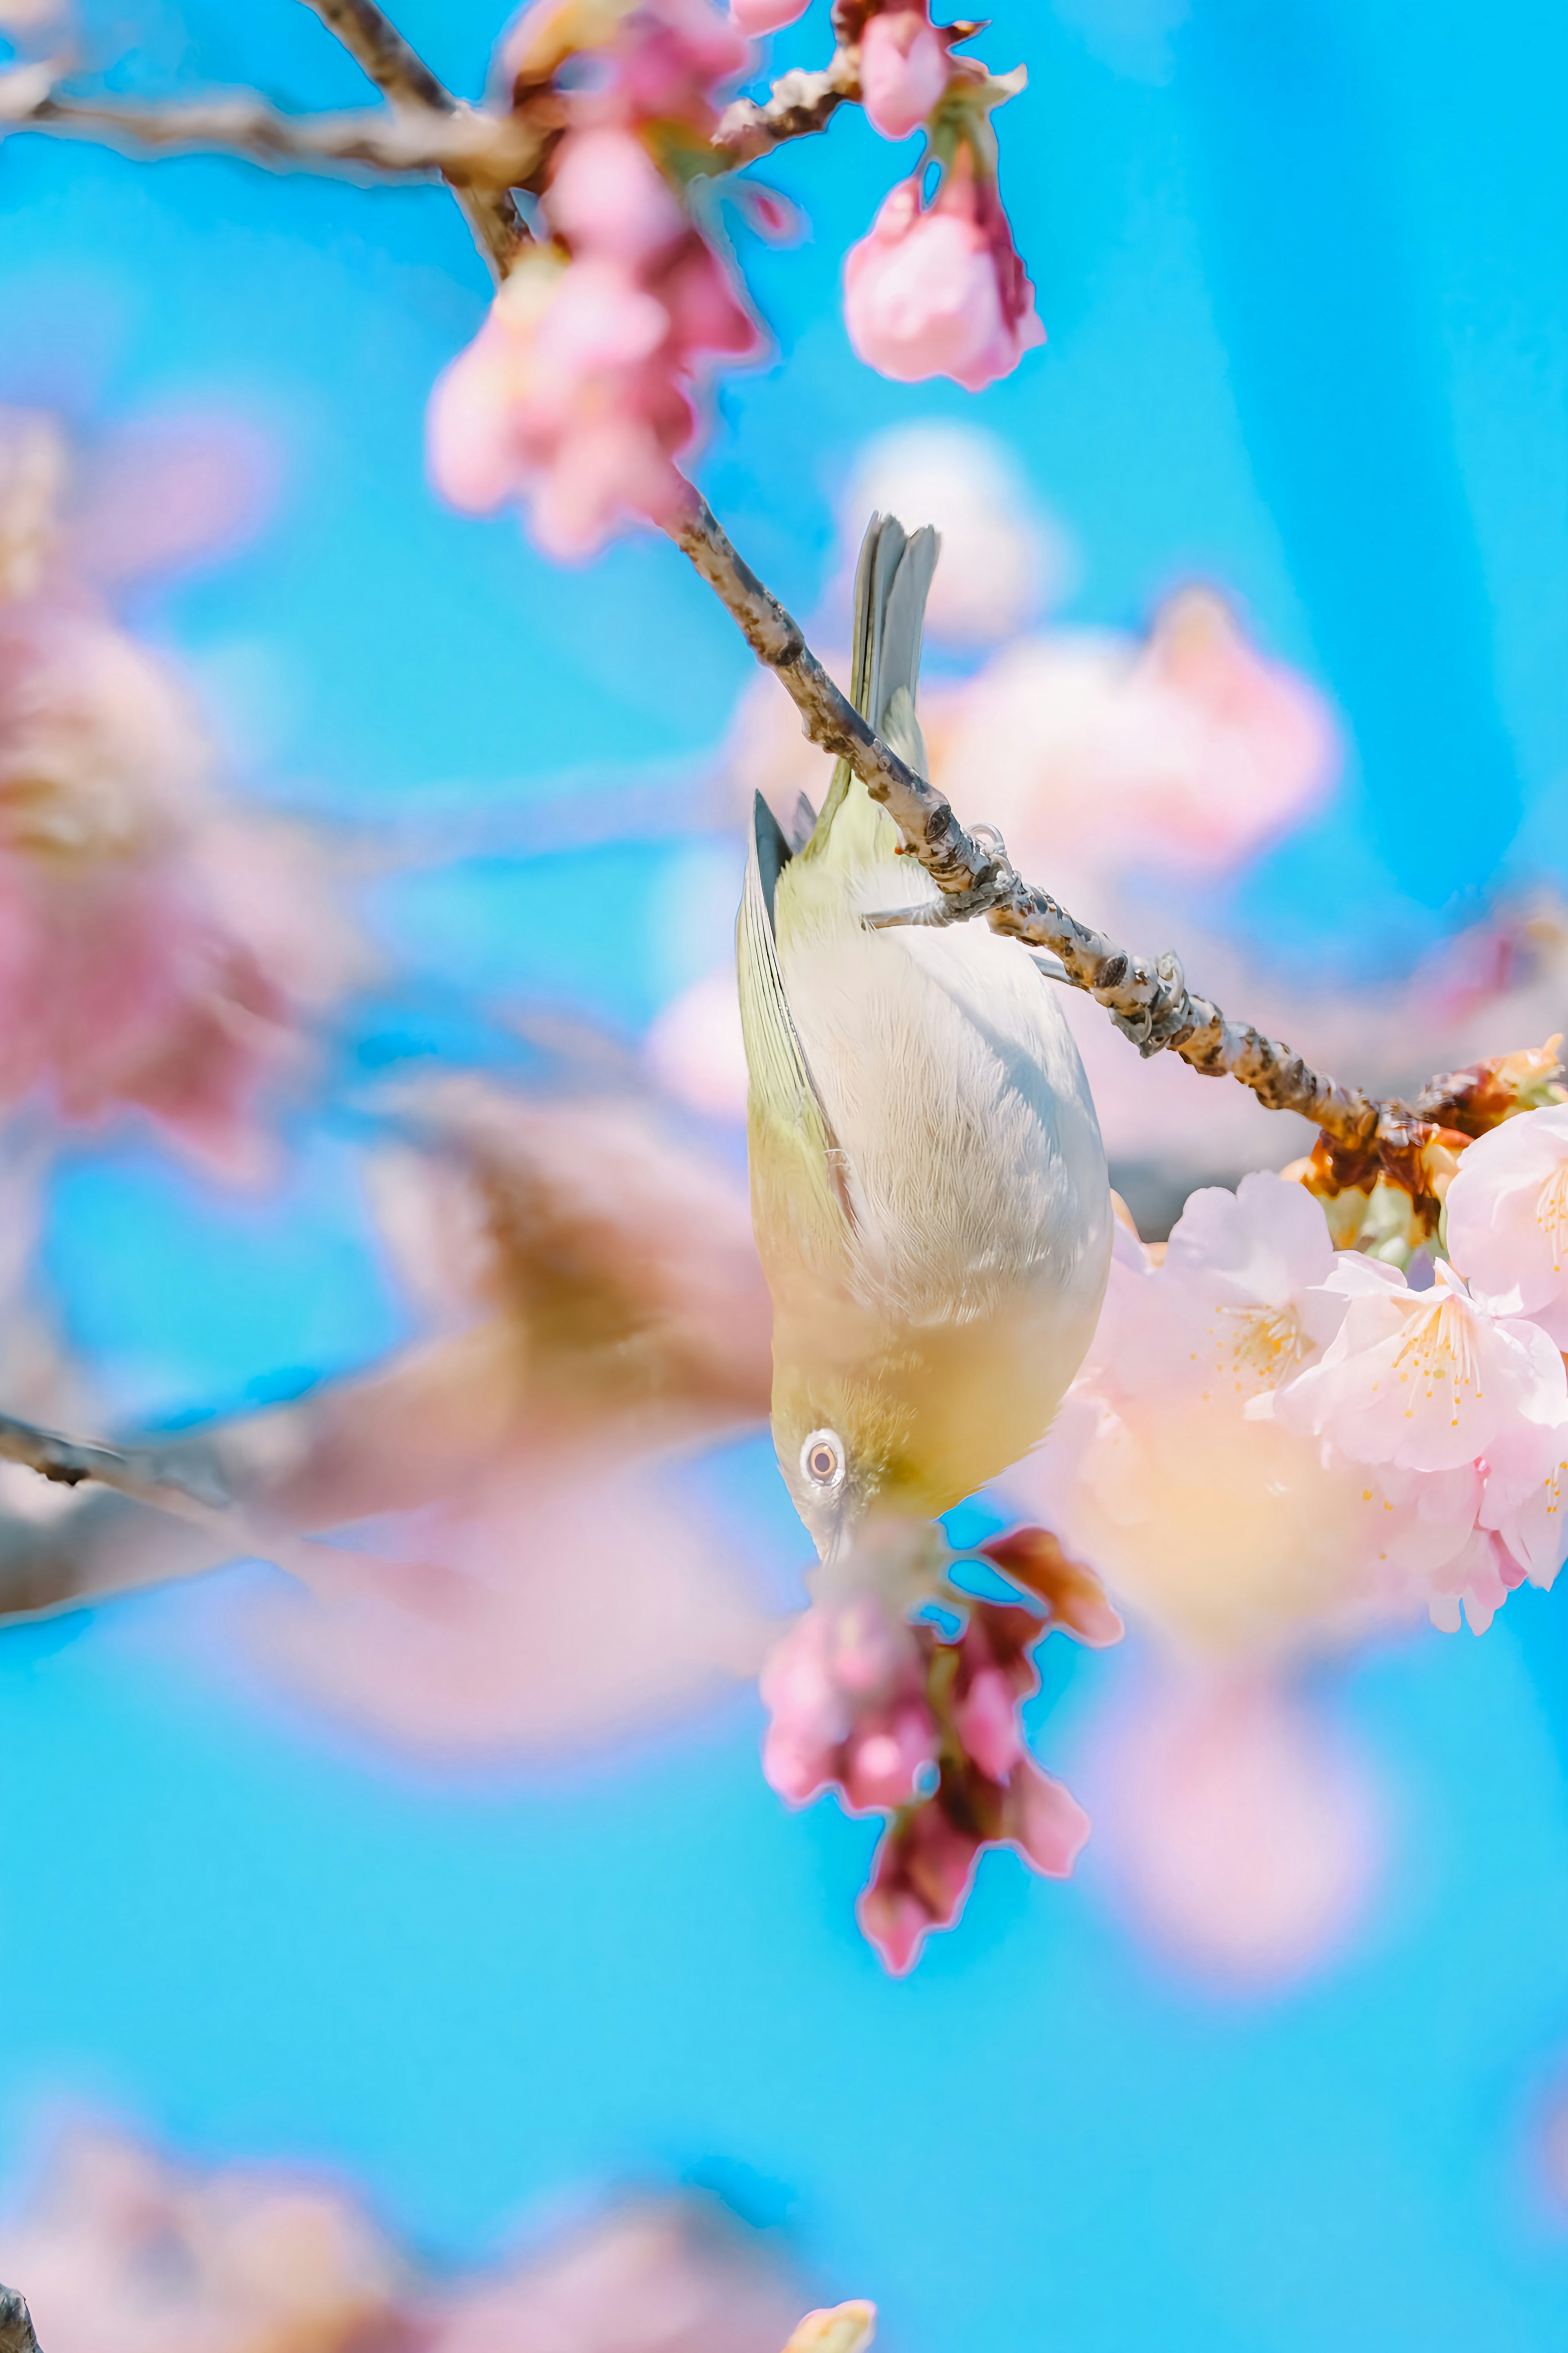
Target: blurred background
x: 411, y: 1918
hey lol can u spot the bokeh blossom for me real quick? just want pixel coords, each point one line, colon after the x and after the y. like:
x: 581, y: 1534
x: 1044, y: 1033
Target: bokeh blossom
x: 158, y: 950
x: 756, y: 18
x: 126, y: 2252
x: 580, y: 393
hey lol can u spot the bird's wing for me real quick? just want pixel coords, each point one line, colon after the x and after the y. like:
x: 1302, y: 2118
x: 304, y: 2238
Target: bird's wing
x: 793, y: 1136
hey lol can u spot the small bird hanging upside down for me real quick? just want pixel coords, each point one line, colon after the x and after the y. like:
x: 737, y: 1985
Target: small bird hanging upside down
x: 927, y: 1183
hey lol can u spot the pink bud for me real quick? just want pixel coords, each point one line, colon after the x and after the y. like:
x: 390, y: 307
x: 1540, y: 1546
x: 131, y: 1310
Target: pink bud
x: 941, y: 291
x: 904, y: 70
x: 755, y: 17
x: 1044, y: 1822
x: 886, y: 1754
x: 987, y: 1722
x: 607, y: 195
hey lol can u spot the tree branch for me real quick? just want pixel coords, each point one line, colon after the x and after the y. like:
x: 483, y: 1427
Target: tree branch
x: 405, y: 80
x: 799, y: 104
x: 1150, y: 1002
x: 470, y: 150
x: 15, y: 2324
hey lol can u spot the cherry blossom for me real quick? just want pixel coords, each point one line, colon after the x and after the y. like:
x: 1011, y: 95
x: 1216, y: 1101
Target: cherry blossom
x: 758, y: 16
x: 1507, y: 1219
x: 158, y: 951
x: 938, y: 288
x: 580, y: 392
x: 1241, y: 1833
x: 1422, y: 1380
x: 531, y: 1566
x: 903, y: 68
x: 123, y: 2249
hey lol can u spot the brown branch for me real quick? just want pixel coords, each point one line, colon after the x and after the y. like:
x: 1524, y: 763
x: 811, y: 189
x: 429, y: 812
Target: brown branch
x: 467, y: 149
x: 799, y: 104
x: 404, y: 77
x: 1149, y: 1002
x: 15, y: 2324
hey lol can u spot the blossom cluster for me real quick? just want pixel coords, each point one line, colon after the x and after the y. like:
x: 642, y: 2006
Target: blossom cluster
x: 580, y: 396
x: 1271, y: 1432
x: 905, y: 1720
x: 157, y: 949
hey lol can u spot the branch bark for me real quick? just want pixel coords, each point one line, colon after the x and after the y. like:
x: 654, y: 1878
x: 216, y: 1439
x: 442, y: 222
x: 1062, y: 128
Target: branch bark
x: 1148, y: 1000
x: 470, y: 150
x: 15, y: 2324
x: 404, y: 79
x: 799, y: 103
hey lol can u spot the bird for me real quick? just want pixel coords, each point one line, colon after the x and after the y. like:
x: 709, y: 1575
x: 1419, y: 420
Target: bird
x: 928, y: 1187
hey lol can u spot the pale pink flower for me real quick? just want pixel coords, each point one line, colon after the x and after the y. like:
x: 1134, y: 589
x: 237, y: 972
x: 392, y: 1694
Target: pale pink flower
x: 1422, y: 1380
x: 1240, y: 1833
x: 653, y: 2275
x: 1187, y: 753
x: 1506, y: 1220
x: 654, y: 61
x: 903, y: 68
x: 939, y: 289
x: 555, y: 1600
x: 1175, y: 1472
x: 532, y: 1567
x: 695, y: 1048
x: 755, y: 17
x: 1002, y: 557
x: 578, y: 394
x: 608, y: 195
x: 156, y: 951
x: 124, y: 2253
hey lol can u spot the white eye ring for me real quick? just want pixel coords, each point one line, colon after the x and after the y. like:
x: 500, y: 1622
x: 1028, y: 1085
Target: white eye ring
x: 822, y: 1461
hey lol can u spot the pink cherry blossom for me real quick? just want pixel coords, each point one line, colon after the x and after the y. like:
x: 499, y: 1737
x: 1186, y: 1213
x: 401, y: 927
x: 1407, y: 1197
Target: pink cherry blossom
x: 1424, y: 1381
x: 1506, y: 1215
x: 756, y: 18
x: 652, y: 2274
x: 578, y: 394
x: 121, y: 2248
x: 939, y: 289
x: 1174, y: 1471
x: 157, y: 950
x: 1238, y: 1830
x: 607, y: 196
x: 533, y: 1565
x: 903, y: 68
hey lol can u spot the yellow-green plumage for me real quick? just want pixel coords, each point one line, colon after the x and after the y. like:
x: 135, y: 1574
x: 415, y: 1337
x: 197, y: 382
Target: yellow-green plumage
x: 927, y: 1184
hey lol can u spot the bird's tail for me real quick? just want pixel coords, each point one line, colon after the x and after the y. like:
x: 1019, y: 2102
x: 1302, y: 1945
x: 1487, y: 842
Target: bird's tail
x: 892, y: 582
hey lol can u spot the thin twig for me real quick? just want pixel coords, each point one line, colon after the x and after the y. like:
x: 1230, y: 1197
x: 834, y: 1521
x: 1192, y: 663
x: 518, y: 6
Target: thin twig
x: 464, y: 148
x: 799, y: 104
x: 404, y: 77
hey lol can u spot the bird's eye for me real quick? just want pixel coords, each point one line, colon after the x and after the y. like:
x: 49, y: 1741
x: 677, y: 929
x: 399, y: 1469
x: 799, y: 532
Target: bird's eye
x: 822, y: 1457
